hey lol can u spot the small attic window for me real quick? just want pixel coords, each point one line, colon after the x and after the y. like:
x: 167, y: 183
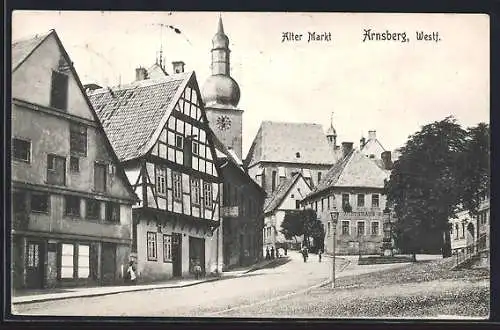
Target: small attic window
x: 372, y: 156
x: 297, y: 154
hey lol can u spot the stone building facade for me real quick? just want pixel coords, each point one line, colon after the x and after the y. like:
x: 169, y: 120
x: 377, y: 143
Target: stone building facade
x: 353, y: 187
x: 71, y: 200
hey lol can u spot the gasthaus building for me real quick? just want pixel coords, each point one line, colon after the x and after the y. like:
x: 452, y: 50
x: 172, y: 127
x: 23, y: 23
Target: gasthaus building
x: 159, y: 130
x: 354, y: 188
x: 72, y: 203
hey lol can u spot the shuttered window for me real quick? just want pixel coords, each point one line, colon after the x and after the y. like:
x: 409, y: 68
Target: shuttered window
x: 100, y: 177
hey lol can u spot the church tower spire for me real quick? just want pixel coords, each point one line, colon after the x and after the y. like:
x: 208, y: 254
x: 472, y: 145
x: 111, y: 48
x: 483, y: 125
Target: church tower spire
x: 331, y: 134
x: 220, y: 51
x: 221, y: 95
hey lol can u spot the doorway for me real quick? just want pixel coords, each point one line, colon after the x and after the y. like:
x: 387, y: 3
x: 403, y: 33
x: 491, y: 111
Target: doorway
x: 197, y: 252
x: 176, y: 254
x: 108, y: 263
x: 35, y: 261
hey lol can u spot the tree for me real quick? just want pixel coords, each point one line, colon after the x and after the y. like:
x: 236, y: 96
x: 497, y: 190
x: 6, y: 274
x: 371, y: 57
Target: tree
x: 425, y: 186
x: 475, y: 175
x: 292, y: 225
x: 303, y: 223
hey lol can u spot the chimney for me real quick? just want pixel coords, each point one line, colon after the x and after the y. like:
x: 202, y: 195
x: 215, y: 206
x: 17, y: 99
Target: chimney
x: 386, y: 158
x: 141, y: 73
x: 178, y: 66
x: 346, y: 148
x: 362, y: 142
x: 372, y: 135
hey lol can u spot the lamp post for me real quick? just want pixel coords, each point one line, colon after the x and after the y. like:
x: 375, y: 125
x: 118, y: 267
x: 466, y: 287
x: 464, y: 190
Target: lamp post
x: 335, y: 218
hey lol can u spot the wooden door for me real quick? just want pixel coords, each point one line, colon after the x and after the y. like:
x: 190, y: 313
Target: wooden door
x: 35, y: 260
x: 176, y: 254
x: 108, y: 263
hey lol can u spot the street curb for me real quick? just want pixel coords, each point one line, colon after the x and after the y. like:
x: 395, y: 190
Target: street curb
x: 272, y: 299
x: 116, y: 292
x: 264, y: 265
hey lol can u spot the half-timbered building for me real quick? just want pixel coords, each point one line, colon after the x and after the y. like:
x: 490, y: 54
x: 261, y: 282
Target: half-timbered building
x: 72, y: 203
x: 159, y: 130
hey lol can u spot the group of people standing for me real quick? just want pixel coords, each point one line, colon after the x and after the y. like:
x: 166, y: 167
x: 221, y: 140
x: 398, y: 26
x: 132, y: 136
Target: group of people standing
x: 272, y: 254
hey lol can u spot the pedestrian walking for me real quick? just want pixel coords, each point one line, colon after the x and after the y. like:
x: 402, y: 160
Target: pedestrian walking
x: 272, y: 252
x: 197, y: 269
x: 268, y: 254
x: 131, y: 276
x: 277, y: 253
x: 286, y: 250
x: 303, y: 251
x: 320, y: 253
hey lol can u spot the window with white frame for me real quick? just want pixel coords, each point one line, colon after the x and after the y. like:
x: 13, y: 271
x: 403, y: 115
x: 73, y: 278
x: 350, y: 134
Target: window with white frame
x: 195, y: 191
x: 375, y: 227
x: 361, y: 200
x: 177, y: 185
x: 83, y: 261
x: 345, y: 227
x: 361, y: 228
x: 151, y: 240
x: 207, y: 194
x: 375, y: 200
x: 67, y: 260
x: 161, y: 186
x: 167, y: 248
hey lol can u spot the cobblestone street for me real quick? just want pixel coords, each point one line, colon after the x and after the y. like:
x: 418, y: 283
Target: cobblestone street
x: 208, y: 299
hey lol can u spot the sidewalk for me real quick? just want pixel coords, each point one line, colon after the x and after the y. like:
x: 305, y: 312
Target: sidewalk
x: 25, y: 297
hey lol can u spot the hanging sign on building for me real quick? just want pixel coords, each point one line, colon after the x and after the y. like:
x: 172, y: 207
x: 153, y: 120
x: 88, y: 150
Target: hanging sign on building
x: 229, y: 211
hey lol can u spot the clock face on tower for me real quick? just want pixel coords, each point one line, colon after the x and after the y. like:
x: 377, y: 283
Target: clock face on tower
x: 223, y: 123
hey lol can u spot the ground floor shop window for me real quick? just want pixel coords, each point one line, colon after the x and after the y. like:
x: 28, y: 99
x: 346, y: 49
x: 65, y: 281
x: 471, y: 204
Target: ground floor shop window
x: 75, y: 261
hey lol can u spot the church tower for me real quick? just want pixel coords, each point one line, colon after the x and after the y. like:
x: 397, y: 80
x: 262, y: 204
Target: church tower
x: 331, y: 136
x: 221, y: 95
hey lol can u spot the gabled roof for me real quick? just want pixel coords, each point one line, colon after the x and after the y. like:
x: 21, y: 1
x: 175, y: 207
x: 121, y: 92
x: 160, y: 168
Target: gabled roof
x: 281, y: 192
x: 156, y: 71
x: 133, y: 115
x: 23, y: 48
x: 302, y: 143
x: 354, y: 170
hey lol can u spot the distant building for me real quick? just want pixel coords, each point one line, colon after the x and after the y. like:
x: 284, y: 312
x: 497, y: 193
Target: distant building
x: 286, y: 198
x: 354, y: 188
x: 472, y: 232
x: 72, y: 203
x: 241, y: 211
x: 281, y: 149
x: 159, y: 130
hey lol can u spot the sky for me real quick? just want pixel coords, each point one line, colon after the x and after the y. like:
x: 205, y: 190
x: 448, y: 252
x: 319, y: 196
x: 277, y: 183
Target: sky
x: 392, y: 87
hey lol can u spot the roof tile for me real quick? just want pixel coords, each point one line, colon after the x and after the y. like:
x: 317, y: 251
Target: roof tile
x: 130, y: 114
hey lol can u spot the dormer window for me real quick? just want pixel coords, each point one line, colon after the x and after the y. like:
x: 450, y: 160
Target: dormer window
x: 297, y: 154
